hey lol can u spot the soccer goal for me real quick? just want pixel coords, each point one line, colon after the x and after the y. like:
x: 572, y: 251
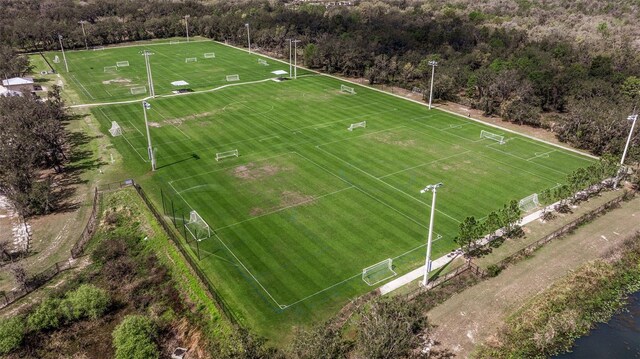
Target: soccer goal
x: 56, y: 60
x: 416, y: 90
x: 221, y: 155
x: 115, y: 129
x: 378, y: 272
x: 529, y: 203
x: 197, y: 227
x: 263, y: 62
x: 492, y: 136
x: 191, y: 59
x: 138, y: 90
x: 110, y: 68
x: 353, y: 126
x: 210, y: 55
x: 233, y: 77
x: 347, y: 89
x: 122, y: 63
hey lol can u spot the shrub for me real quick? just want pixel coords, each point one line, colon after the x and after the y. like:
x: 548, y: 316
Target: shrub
x: 493, y: 270
x: 46, y: 316
x: 11, y: 334
x: 133, y: 338
x: 86, y: 301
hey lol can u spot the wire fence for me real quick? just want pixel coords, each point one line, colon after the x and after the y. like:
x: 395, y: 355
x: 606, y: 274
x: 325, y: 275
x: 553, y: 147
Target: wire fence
x: 34, y: 282
x: 89, y: 229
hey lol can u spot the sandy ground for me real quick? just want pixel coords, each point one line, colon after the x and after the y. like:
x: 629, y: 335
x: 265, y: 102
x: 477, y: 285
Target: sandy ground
x: 471, y: 317
x: 12, y: 229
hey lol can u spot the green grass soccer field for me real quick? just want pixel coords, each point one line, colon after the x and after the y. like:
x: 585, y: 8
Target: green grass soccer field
x: 306, y: 204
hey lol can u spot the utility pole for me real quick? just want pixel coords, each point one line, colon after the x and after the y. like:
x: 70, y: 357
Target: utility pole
x: 248, y: 36
x: 634, y: 119
x: 186, y: 19
x: 147, y: 63
x: 86, y: 45
x: 427, y: 264
x: 146, y: 106
x: 295, y: 58
x: 433, y: 70
x: 66, y: 66
x: 290, y: 69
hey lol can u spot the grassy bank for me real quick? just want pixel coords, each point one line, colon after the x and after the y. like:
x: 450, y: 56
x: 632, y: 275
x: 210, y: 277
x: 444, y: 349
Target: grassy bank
x: 550, y: 322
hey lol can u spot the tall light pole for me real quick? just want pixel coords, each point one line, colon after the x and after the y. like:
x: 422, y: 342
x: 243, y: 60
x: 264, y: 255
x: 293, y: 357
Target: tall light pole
x: 248, y: 36
x: 147, y: 63
x: 66, y: 66
x: 186, y: 19
x: 86, y: 45
x: 633, y: 118
x: 433, y: 70
x: 295, y: 58
x: 427, y: 264
x: 290, y: 70
x: 146, y: 106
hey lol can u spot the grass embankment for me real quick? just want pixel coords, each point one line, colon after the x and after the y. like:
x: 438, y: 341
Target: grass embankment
x: 551, y: 321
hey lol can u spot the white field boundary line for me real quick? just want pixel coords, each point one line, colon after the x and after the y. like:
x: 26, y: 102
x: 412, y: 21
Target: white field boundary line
x: 492, y: 146
x: 165, y: 119
x: 233, y: 254
x: 389, y: 185
x: 73, y: 77
x: 541, y: 155
x: 125, y: 137
x: 423, y: 104
x: 425, y: 164
x: 117, y: 46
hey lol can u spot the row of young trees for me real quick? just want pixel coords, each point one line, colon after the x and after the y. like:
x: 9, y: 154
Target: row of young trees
x: 584, y: 93
x: 32, y: 150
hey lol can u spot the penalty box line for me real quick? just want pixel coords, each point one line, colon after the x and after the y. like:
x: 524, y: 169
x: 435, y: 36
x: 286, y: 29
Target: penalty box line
x: 125, y: 137
x: 233, y: 254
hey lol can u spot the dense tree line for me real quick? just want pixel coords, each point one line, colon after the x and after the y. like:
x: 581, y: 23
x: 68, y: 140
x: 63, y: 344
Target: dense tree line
x: 32, y: 149
x: 583, y: 93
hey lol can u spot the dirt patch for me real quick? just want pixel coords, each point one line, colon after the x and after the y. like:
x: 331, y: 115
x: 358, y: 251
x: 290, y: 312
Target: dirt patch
x: 154, y: 124
x: 117, y: 81
x: 251, y: 171
x: 180, y: 120
x: 12, y: 228
x: 293, y: 198
x: 475, y: 315
x: 391, y: 139
x: 256, y: 211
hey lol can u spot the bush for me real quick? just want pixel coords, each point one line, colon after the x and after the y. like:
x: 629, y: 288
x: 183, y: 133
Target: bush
x: 86, y: 301
x: 493, y: 270
x: 133, y: 338
x: 46, y: 316
x: 11, y: 334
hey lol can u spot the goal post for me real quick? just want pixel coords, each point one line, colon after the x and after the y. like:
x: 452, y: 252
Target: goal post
x: 492, y: 136
x: 226, y: 154
x: 111, y: 69
x: 122, y: 63
x: 263, y: 62
x: 529, y: 203
x: 56, y: 59
x: 138, y: 90
x: 353, y: 126
x: 347, y: 89
x: 197, y: 227
x: 378, y: 272
x: 210, y: 55
x: 190, y: 59
x: 115, y: 129
x: 233, y: 77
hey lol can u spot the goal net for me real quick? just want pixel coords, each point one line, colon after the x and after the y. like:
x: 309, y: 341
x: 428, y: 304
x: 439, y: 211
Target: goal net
x: 122, y: 63
x: 209, y: 55
x: 138, y: 90
x: 416, y: 90
x: 110, y: 68
x: 221, y: 155
x: 529, y: 203
x: 233, y: 77
x: 492, y: 136
x: 347, y: 89
x: 115, y: 129
x: 197, y: 227
x: 191, y: 59
x: 56, y: 60
x: 353, y: 126
x: 263, y: 62
x: 378, y: 272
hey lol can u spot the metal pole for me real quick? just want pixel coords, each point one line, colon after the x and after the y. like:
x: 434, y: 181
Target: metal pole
x: 433, y: 70
x: 145, y: 106
x: 186, y: 19
x: 248, y: 37
x: 86, y: 45
x: 427, y: 264
x: 147, y: 63
x: 290, y: 69
x: 633, y: 118
x: 63, y: 55
x: 295, y: 58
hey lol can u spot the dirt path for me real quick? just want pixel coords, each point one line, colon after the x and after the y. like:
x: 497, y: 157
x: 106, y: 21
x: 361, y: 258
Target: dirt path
x: 473, y: 316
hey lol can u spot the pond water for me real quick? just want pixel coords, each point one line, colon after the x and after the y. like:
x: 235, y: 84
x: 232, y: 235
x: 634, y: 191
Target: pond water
x: 619, y: 338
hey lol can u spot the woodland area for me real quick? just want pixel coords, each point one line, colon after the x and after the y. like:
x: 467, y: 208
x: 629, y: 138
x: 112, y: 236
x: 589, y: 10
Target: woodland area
x: 571, y: 67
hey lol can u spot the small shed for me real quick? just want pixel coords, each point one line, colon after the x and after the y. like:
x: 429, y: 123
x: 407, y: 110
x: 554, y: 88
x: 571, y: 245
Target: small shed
x: 21, y: 84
